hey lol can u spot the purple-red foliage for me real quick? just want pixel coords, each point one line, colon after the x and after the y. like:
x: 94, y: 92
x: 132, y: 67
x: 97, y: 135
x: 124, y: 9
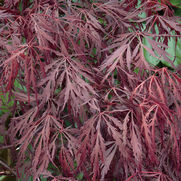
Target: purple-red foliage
x: 88, y: 101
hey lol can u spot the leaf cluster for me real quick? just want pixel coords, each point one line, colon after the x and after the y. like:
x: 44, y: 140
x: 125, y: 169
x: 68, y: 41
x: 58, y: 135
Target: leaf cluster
x: 87, y: 99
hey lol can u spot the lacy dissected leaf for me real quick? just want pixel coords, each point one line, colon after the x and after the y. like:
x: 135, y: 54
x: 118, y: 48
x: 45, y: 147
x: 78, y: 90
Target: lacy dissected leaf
x: 160, y: 110
x: 67, y: 77
x: 42, y: 135
x: 87, y: 97
x: 107, y: 127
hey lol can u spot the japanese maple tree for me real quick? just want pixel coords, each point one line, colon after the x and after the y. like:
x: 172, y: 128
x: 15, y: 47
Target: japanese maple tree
x: 89, y: 89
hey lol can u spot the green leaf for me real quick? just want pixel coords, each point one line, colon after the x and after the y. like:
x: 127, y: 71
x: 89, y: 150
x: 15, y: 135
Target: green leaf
x: 6, y: 103
x: 176, y: 3
x: 80, y: 176
x: 174, y: 51
x: 1, y: 139
x: 149, y: 58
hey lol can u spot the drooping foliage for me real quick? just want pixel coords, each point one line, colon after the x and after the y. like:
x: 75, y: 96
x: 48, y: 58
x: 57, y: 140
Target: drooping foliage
x: 82, y: 93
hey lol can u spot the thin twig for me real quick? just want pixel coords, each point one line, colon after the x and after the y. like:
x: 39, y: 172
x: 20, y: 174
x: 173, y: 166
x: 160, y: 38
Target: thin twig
x: 6, y: 166
x: 6, y: 147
